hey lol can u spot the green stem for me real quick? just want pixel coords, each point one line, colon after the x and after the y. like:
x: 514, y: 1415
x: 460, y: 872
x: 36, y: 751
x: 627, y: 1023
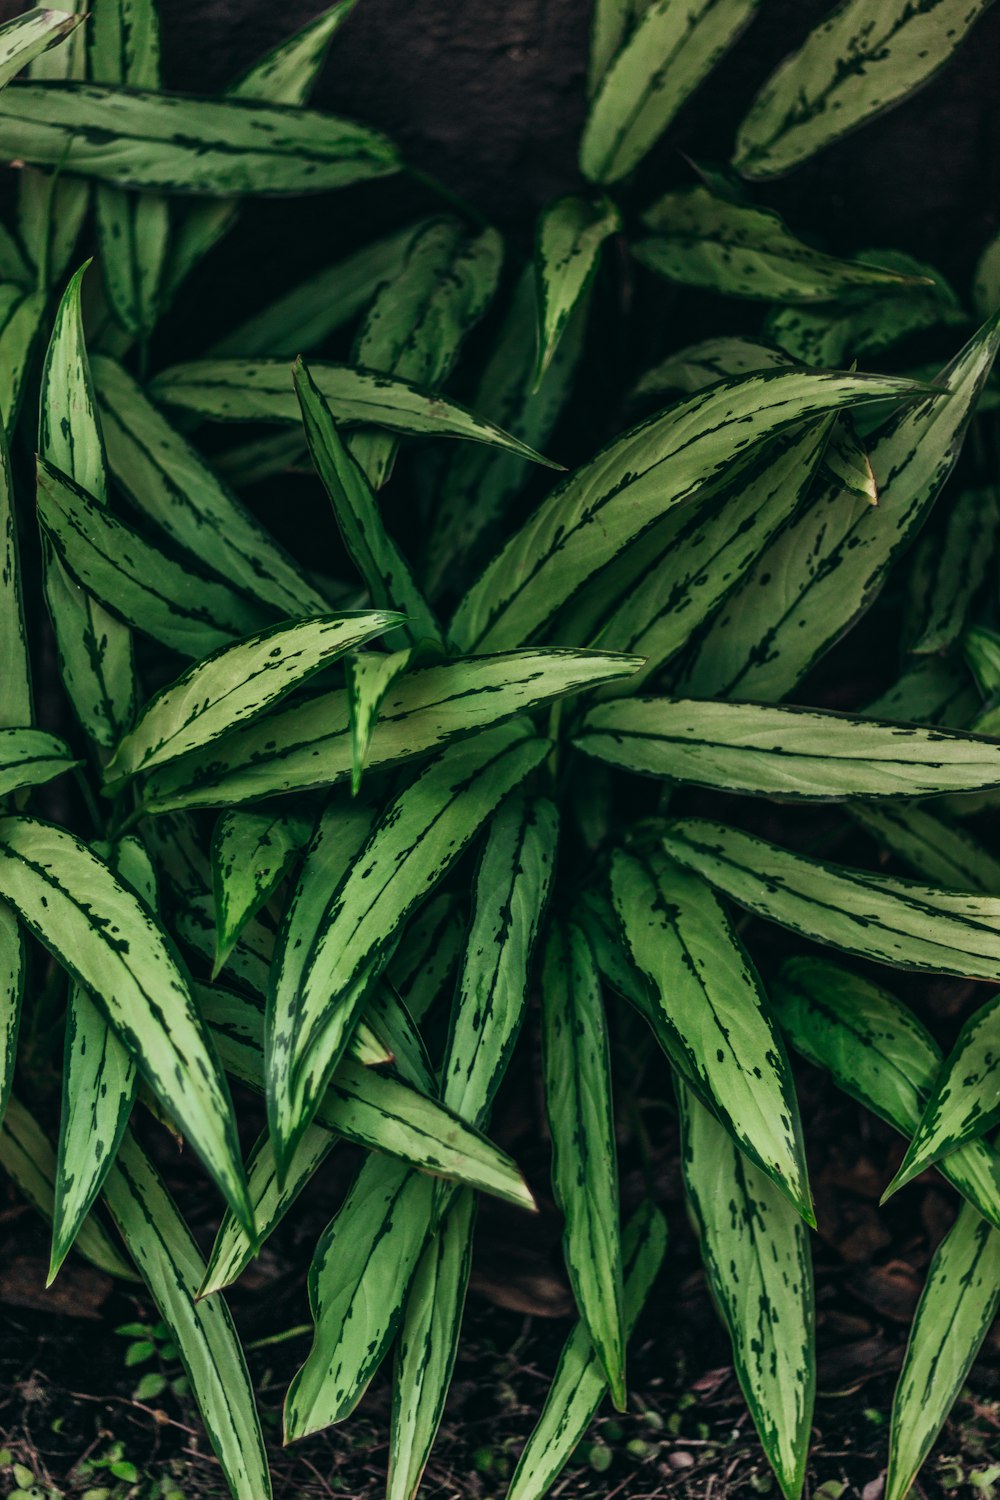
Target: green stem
x: 442, y: 190
x: 297, y: 1332
x: 127, y: 822
x: 90, y: 801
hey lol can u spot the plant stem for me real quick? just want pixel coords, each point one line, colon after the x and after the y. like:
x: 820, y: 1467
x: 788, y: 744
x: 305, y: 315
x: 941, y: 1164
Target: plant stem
x: 90, y: 801
x: 442, y: 190
x: 280, y: 1338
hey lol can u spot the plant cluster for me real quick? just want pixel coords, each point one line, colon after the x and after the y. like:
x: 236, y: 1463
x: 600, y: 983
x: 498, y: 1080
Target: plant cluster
x: 331, y: 836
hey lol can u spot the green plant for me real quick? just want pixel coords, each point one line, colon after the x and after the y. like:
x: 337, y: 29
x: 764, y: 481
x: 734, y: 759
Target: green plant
x: 304, y: 807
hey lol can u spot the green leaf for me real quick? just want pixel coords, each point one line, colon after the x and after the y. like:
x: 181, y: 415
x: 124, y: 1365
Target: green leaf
x: 16, y: 710
x: 385, y: 571
x: 95, y: 650
x: 29, y: 34
x: 191, y: 614
x: 881, y: 917
x: 236, y: 685
x: 12, y: 977
x: 879, y: 1054
x: 756, y: 1254
x: 29, y: 757
x: 176, y: 143
x: 588, y: 519
x: 981, y: 648
x: 166, y: 1254
x: 416, y: 324
x: 934, y: 849
x: 579, y: 1382
x: 577, y: 1071
x: 846, y: 460
x: 704, y: 240
x: 171, y: 484
x: 949, y: 571
x: 479, y: 484
x: 311, y: 744
x: 714, y: 1009
x: 702, y: 364
x: 99, y: 1084
x: 251, y: 855
x: 428, y: 1344
x: 335, y: 936
x: 304, y: 318
x: 829, y: 565
x: 957, y: 1307
x: 796, y: 754
x: 107, y: 941
x: 670, y: 51
x: 965, y: 1099
x: 21, y: 315
x: 358, y: 1280
x: 27, y: 1157
x: 370, y: 675
x: 929, y: 691
x: 863, y: 59
x: 610, y: 24
x: 233, y: 390
x: 437, y: 969
x: 510, y: 895
x: 567, y: 250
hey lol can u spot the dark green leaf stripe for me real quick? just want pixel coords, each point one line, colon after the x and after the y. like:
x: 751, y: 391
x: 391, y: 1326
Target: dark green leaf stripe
x: 509, y: 899
x: 892, y: 921
x: 611, y: 501
x: 190, y: 614
x: 577, y: 1071
x: 959, y: 1303
x: 829, y: 565
x: 796, y: 754
x: 174, y: 143
x: 385, y: 571
x: 703, y: 240
x: 251, y: 854
x: 863, y: 59
x: 678, y: 936
x: 30, y: 756
x: 947, y: 574
x: 881, y: 1055
x: 236, y: 685
x: 103, y: 936
x: 317, y: 993
x: 26, y: 1155
x: 669, y: 53
x: 168, y: 481
x: 579, y: 1382
x: 312, y: 745
x: 15, y: 700
x: 932, y: 848
x: 756, y: 1253
x: 567, y: 248
x: 165, y: 1252
x: 358, y: 1280
x: 262, y: 391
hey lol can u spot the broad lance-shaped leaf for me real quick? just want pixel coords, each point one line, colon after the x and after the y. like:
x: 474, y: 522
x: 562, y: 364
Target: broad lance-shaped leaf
x: 321, y: 979
x: 370, y: 675
x: 16, y: 710
x: 956, y: 1310
x: 164, y: 1250
x: 170, y: 483
x: 671, y: 49
x: 30, y: 34
x: 702, y: 364
x: 756, y: 1253
x: 12, y: 976
x: 829, y: 564
x: 29, y: 757
x: 863, y: 59
x: 510, y: 896
x: 236, y: 685
x: 847, y: 461
x: 610, y: 24
x: 165, y: 599
x: 965, y: 1099
x: 436, y: 970
x: 95, y: 649
x: 21, y: 317
x: 932, y: 848
x: 577, y: 1070
x: 251, y: 854
x: 567, y: 250
x: 680, y: 939
x: 632, y: 483
x: 948, y: 573
x: 892, y: 921
x: 385, y: 571
x: 579, y: 1383
x: 233, y: 390
x: 427, y: 1346
x: 704, y: 240
x: 27, y: 1156
x: 415, y: 326
x: 99, y: 1082
x: 177, y: 143
x: 796, y: 754
x: 928, y: 691
x: 879, y: 1054
x: 312, y: 745
x: 108, y: 942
